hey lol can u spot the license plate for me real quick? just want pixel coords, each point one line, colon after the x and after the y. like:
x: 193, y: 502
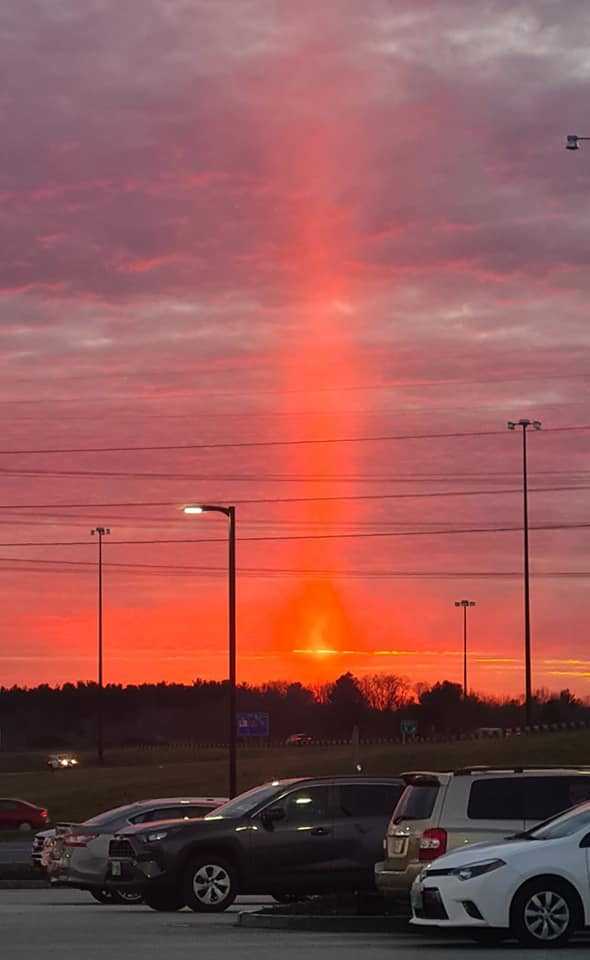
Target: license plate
x: 399, y: 844
x: 417, y: 898
x: 115, y: 869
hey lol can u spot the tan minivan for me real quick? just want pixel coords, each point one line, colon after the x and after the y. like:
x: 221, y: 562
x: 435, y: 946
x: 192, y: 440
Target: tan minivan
x: 440, y: 811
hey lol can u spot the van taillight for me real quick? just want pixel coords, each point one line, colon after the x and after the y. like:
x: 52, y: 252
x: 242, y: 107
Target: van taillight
x: 433, y: 844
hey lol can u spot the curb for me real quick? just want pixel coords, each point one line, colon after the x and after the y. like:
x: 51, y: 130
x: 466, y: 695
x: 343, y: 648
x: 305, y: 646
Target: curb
x: 328, y: 924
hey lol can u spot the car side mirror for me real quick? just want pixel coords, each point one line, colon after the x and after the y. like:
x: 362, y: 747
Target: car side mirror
x: 585, y: 841
x: 271, y: 816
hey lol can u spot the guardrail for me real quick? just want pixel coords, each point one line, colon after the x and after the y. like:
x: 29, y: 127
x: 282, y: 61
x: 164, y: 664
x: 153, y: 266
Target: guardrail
x: 258, y: 743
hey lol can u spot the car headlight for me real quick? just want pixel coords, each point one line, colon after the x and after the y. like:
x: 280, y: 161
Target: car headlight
x: 157, y: 835
x: 476, y: 869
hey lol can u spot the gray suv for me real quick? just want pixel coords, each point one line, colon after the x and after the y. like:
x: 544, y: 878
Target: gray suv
x: 285, y: 838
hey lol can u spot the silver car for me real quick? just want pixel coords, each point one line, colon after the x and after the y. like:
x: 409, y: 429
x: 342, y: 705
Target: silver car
x: 76, y: 855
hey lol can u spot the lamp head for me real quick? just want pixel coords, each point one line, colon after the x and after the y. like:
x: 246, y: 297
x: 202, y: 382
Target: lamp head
x: 193, y: 508
x: 511, y: 425
x: 572, y: 142
x: 536, y: 424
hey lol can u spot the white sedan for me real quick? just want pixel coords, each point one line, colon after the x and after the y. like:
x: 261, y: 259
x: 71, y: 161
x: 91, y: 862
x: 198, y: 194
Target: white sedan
x: 533, y: 887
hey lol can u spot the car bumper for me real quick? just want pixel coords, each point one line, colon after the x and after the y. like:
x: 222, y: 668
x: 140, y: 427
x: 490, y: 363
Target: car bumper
x: 395, y: 883
x: 133, y: 874
x: 450, y: 902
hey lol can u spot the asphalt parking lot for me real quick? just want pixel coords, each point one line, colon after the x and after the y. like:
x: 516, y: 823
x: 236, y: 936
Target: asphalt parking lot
x: 41, y: 924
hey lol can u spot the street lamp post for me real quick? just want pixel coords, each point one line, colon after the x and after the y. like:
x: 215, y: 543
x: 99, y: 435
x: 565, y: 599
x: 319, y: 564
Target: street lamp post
x: 230, y: 513
x: 465, y: 604
x: 536, y: 425
x: 100, y: 532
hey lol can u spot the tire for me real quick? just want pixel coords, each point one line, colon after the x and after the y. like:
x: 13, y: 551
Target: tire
x: 164, y: 900
x: 210, y: 884
x: 128, y: 898
x: 544, y: 913
x: 101, y: 896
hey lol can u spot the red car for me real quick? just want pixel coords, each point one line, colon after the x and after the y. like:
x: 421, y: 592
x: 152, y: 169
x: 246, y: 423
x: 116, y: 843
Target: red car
x: 21, y: 815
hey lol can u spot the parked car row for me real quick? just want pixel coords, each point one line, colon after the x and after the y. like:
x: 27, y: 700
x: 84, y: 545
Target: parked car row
x: 499, y: 852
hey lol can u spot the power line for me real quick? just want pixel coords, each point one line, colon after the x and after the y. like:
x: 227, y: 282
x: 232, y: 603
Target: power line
x: 434, y: 494
x: 491, y: 476
x: 359, y: 387
x: 80, y: 566
x: 224, y: 445
x: 315, y: 536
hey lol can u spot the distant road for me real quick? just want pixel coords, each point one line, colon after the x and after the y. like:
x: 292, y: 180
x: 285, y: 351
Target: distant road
x: 16, y: 851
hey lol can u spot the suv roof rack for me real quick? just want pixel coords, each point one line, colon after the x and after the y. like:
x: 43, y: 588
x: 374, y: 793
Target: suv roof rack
x: 519, y: 768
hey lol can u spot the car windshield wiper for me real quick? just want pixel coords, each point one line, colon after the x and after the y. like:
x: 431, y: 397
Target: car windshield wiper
x: 405, y: 817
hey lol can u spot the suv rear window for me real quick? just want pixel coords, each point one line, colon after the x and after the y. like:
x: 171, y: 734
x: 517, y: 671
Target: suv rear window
x: 496, y: 798
x: 416, y: 802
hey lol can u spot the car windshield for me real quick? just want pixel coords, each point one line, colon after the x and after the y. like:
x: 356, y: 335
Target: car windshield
x: 564, y: 825
x: 248, y: 801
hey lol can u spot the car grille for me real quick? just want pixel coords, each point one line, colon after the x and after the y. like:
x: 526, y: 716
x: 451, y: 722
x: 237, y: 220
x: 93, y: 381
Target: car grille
x: 121, y: 848
x: 432, y: 907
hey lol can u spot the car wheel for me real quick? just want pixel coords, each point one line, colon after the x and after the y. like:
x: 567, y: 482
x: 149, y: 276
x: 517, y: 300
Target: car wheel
x: 102, y: 896
x: 210, y: 884
x: 128, y: 897
x: 165, y: 901
x: 544, y: 914
x: 25, y: 826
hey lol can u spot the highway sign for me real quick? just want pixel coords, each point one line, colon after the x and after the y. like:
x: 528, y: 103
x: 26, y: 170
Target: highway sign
x: 253, y: 725
x: 409, y: 728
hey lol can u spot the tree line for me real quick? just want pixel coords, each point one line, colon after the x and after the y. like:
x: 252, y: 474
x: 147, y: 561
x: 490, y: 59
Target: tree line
x: 65, y: 716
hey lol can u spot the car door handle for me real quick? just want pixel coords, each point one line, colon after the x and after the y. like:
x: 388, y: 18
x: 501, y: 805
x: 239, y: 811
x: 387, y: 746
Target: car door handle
x: 320, y: 831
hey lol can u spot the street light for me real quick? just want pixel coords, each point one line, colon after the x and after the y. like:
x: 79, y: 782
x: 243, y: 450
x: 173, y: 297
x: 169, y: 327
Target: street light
x: 230, y: 513
x: 536, y: 425
x: 572, y: 141
x: 465, y: 604
x: 101, y: 532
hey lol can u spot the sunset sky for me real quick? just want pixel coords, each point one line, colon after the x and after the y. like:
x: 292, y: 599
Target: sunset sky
x: 306, y: 257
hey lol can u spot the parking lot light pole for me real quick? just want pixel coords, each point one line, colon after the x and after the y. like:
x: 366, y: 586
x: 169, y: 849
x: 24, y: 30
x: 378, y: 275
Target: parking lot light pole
x: 465, y: 604
x: 572, y: 141
x: 528, y: 702
x: 100, y: 532
x: 230, y: 513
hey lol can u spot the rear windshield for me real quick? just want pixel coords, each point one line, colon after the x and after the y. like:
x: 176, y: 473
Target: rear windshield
x: 416, y: 802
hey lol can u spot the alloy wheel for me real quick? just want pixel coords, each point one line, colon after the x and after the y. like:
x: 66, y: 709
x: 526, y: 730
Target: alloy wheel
x: 546, y: 915
x: 211, y: 884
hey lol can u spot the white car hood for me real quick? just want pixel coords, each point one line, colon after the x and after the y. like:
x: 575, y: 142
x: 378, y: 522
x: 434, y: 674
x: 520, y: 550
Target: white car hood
x: 485, y: 851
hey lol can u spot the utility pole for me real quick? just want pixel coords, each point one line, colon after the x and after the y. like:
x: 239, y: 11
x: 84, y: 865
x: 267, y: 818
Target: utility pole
x: 528, y: 696
x: 465, y: 604
x: 100, y: 532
